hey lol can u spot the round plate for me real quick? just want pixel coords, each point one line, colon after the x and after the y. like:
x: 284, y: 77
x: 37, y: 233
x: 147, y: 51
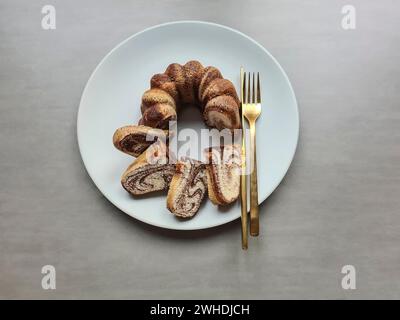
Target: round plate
x: 112, y: 96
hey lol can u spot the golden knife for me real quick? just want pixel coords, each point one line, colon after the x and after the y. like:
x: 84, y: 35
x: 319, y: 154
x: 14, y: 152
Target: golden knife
x: 243, y: 177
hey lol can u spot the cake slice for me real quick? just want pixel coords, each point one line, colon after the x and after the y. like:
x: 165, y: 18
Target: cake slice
x: 188, y: 188
x: 150, y: 172
x: 134, y: 140
x: 223, y: 173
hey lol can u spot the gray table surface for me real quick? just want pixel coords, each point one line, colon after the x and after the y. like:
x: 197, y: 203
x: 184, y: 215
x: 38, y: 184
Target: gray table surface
x: 339, y: 203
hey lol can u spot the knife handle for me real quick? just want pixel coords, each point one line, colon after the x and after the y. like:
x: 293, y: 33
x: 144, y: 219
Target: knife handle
x: 254, y: 215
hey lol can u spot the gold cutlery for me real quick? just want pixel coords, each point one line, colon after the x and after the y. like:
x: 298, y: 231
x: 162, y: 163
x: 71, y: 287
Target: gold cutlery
x: 243, y: 177
x: 251, y: 109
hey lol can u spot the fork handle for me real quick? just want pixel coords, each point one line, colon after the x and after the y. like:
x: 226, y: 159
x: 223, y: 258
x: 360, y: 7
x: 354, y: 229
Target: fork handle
x: 254, y: 216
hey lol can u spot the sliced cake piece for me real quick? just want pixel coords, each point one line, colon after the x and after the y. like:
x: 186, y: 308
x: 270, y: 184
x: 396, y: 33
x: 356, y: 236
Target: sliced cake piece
x: 223, y: 173
x: 134, y: 140
x: 149, y: 172
x: 188, y: 188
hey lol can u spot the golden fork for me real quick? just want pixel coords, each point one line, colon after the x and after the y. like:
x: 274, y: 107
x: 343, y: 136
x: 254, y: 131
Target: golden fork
x: 243, y: 177
x: 252, y: 110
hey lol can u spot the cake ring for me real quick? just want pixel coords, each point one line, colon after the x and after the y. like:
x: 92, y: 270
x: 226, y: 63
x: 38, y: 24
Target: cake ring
x: 187, y: 180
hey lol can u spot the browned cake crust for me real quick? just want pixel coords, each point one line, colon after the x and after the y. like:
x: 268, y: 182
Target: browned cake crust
x: 164, y: 82
x: 210, y: 74
x: 195, y: 71
x: 156, y: 96
x: 220, y: 112
x: 134, y: 140
x: 188, y: 188
x: 159, y: 115
x: 177, y: 74
x: 220, y: 87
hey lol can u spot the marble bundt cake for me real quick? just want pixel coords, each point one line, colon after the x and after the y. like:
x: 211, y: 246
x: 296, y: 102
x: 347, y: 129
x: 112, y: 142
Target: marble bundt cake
x: 187, y: 180
x: 187, y: 189
x: 149, y: 172
x: 223, y: 173
x: 191, y: 84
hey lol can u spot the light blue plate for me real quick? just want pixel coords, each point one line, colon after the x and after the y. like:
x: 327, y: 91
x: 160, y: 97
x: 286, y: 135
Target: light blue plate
x: 112, y: 96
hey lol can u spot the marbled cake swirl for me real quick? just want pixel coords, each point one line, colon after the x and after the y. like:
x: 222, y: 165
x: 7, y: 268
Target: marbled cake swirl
x: 188, y: 188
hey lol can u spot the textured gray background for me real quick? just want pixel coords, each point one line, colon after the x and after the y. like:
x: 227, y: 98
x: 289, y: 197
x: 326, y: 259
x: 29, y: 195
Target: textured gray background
x: 339, y: 203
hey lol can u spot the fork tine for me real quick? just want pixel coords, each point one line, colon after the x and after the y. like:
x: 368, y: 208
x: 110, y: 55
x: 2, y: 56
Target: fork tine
x: 244, y: 88
x: 253, y: 98
x: 248, y: 90
x: 241, y: 84
x: 258, y: 88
